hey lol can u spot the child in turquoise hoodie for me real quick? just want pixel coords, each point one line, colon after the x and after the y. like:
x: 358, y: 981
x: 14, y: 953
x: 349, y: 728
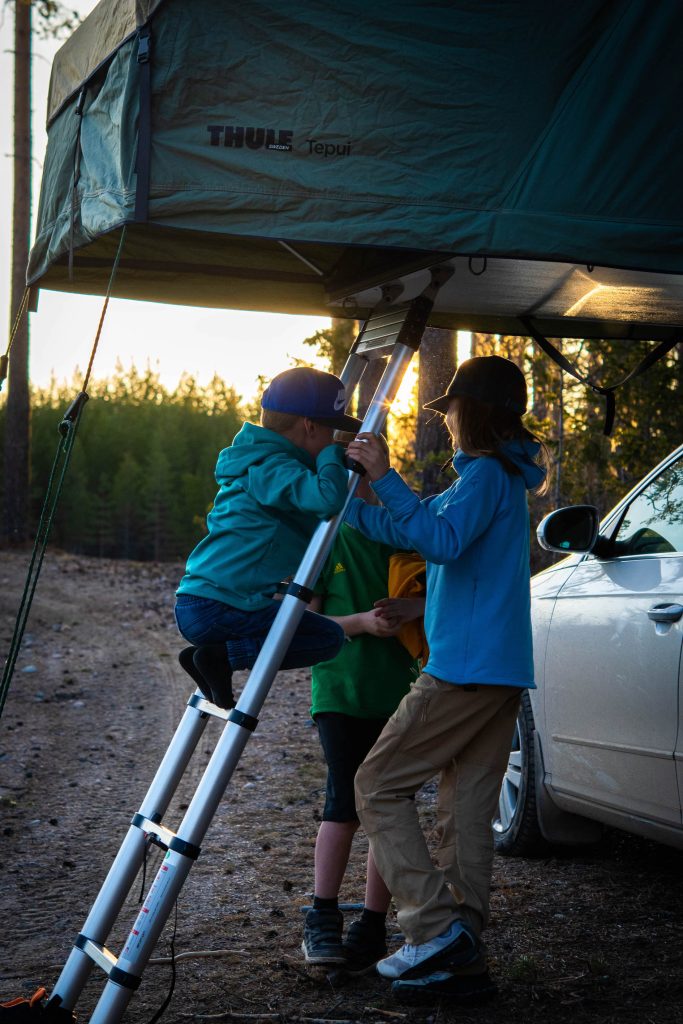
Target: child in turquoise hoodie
x: 277, y: 482
x: 458, y: 719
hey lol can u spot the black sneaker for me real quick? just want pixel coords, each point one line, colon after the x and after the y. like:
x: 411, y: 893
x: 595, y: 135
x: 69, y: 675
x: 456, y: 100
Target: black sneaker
x: 323, y: 937
x: 464, y: 985
x: 363, y: 946
x: 211, y: 662
x: 186, y: 659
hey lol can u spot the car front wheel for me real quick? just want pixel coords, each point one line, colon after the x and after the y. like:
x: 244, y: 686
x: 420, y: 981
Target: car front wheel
x: 515, y: 827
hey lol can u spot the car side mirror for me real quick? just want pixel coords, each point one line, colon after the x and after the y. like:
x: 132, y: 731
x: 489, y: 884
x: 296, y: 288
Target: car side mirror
x: 574, y: 528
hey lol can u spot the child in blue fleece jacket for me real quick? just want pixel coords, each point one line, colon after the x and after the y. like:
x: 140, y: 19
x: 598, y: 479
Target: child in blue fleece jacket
x: 277, y: 482
x: 459, y: 716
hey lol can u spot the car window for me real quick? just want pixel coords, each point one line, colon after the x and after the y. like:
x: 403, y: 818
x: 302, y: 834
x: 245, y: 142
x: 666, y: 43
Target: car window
x: 653, y: 523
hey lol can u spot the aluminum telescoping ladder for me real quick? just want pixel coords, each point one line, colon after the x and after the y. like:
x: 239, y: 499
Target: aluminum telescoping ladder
x: 394, y: 332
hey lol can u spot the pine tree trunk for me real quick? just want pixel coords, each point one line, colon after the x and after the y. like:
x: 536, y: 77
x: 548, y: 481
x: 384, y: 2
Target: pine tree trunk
x: 437, y: 366
x: 16, y: 455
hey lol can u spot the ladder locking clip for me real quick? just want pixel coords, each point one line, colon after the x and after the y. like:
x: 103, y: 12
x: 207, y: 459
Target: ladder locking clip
x: 240, y: 718
x: 304, y: 594
x: 105, y: 959
x: 165, y: 838
x: 354, y: 466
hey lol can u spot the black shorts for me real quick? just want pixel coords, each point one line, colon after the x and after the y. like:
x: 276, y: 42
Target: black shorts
x: 346, y: 741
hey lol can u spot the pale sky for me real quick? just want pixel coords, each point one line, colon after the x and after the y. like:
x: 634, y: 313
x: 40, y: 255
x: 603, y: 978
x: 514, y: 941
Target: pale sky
x: 235, y: 344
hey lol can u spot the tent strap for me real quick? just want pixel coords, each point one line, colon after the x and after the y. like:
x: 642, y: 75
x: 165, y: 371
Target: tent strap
x: 606, y: 390
x: 4, y: 360
x: 144, y: 152
x: 76, y: 178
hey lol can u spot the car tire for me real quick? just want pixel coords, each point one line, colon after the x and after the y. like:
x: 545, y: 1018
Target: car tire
x: 516, y: 830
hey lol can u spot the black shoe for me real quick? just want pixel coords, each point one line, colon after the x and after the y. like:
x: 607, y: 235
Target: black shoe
x: 363, y: 946
x: 323, y: 937
x: 464, y: 985
x: 215, y: 679
x: 186, y: 659
x: 211, y: 662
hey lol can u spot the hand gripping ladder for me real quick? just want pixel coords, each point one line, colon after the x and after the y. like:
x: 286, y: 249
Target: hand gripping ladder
x: 391, y: 331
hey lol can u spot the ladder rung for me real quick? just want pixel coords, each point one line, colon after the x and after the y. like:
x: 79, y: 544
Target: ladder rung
x: 105, y: 959
x: 206, y: 707
x: 98, y: 953
x: 388, y: 317
x: 158, y: 832
x: 382, y: 330
x: 164, y: 837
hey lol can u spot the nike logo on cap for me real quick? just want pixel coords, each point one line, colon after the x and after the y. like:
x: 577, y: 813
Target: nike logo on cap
x: 340, y: 400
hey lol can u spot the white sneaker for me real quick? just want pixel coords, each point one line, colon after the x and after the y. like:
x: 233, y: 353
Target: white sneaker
x: 453, y: 948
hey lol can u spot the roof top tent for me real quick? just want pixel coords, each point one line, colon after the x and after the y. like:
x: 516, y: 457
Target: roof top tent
x: 299, y: 158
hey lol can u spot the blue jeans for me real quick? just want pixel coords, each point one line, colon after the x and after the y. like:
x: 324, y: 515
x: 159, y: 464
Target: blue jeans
x: 203, y: 621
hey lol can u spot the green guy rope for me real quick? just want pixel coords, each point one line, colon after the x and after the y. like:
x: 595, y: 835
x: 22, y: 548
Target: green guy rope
x: 63, y: 454
x: 68, y: 429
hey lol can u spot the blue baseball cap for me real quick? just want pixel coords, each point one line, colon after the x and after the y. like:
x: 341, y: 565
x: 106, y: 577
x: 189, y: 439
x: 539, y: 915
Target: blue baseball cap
x: 314, y: 394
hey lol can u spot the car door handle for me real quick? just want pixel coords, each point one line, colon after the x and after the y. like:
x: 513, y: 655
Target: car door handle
x: 665, y: 612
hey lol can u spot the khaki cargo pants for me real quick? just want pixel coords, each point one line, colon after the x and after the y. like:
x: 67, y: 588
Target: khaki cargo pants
x: 464, y: 734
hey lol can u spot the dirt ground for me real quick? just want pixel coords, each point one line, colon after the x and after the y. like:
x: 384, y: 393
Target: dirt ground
x: 594, y: 936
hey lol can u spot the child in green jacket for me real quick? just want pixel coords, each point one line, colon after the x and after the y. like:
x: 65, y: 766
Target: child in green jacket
x: 353, y: 695
x: 277, y: 482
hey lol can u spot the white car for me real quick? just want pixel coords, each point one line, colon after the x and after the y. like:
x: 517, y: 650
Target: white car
x: 601, y: 739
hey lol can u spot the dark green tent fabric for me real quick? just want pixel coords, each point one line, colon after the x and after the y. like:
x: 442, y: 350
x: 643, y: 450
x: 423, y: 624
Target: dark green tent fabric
x: 301, y: 156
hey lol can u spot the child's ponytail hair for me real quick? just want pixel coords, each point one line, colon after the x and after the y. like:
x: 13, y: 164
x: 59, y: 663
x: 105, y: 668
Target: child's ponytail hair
x: 481, y: 429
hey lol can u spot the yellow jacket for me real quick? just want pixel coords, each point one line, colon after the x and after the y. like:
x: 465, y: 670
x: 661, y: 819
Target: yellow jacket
x: 407, y: 579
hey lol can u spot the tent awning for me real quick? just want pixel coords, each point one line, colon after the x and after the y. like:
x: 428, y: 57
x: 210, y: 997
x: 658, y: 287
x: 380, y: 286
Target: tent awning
x: 483, y: 295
